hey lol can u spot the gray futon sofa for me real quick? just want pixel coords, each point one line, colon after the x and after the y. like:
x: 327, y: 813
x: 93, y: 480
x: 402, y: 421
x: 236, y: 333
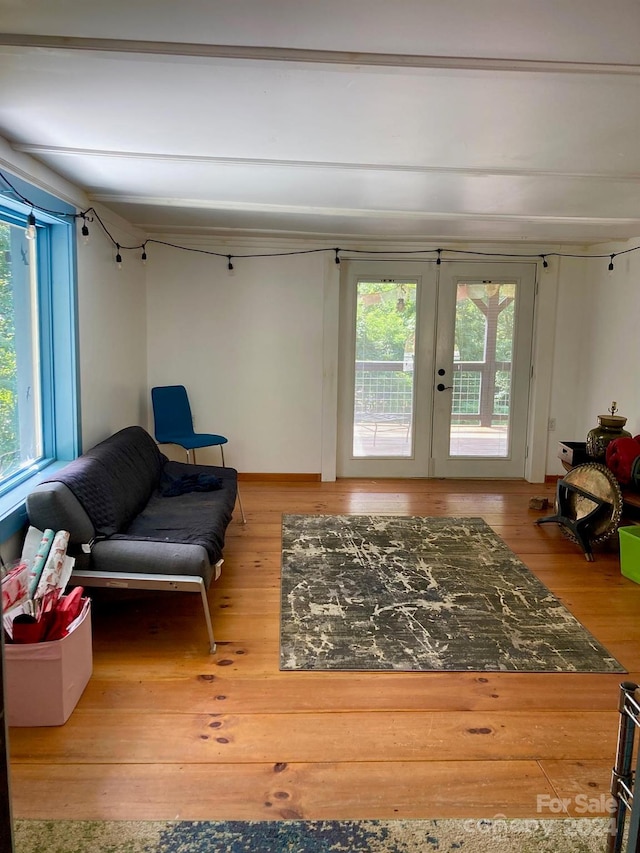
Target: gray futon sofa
x: 137, y: 519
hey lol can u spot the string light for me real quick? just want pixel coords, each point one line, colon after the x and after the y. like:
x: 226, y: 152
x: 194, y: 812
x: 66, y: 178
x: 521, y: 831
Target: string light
x: 90, y: 214
x: 30, y: 230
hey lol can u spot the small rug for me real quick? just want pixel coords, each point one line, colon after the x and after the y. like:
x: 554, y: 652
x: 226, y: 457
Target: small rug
x: 369, y: 592
x: 577, y: 835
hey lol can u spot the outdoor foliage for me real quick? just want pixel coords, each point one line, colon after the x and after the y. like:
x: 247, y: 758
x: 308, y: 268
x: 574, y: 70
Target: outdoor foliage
x: 8, y: 397
x: 384, y: 333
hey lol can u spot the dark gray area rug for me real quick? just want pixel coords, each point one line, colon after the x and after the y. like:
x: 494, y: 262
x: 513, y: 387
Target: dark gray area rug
x: 570, y: 835
x: 370, y: 592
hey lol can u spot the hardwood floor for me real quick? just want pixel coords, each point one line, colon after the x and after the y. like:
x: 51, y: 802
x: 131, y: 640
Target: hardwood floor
x: 166, y: 731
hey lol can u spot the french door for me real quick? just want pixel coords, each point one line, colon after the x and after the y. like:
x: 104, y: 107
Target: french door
x: 434, y: 368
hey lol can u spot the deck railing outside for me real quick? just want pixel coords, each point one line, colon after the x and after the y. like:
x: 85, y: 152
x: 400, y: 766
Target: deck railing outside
x: 383, y: 410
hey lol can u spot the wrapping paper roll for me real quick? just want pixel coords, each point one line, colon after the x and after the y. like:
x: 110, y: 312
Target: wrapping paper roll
x: 32, y: 542
x: 40, y: 560
x: 51, y: 576
x: 15, y: 587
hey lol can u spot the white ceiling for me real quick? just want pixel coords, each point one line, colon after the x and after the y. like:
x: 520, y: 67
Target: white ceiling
x: 405, y: 119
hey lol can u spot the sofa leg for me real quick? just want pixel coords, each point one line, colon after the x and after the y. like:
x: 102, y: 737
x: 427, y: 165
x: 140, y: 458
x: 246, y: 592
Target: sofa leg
x: 207, y: 616
x: 244, y: 520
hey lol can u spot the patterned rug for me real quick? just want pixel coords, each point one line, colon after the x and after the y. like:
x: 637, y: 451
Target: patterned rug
x: 577, y: 835
x: 365, y: 592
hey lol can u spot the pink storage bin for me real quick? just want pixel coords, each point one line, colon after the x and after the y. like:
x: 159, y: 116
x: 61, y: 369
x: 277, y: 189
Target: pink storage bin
x: 44, y: 681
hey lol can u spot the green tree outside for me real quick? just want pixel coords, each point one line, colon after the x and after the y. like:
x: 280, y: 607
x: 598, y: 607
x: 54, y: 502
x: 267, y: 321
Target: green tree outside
x: 383, y: 332
x: 9, y: 440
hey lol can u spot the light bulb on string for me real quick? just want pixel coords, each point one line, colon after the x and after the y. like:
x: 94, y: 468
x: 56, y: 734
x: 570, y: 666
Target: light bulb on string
x: 30, y: 230
x: 84, y: 231
x: 610, y: 267
x: 143, y: 257
x: 118, y: 257
x: 337, y: 256
x: 439, y: 259
x: 229, y: 264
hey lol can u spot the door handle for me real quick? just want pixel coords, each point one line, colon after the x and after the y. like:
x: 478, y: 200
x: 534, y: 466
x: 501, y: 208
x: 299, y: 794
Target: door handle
x: 441, y: 387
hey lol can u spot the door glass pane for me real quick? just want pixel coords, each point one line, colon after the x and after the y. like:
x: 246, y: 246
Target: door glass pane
x: 384, y: 390
x: 483, y: 351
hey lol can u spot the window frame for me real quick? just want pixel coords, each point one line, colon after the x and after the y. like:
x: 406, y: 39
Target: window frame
x: 57, y: 324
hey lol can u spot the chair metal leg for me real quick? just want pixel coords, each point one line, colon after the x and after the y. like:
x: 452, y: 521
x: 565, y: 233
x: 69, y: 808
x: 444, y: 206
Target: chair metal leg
x: 244, y: 519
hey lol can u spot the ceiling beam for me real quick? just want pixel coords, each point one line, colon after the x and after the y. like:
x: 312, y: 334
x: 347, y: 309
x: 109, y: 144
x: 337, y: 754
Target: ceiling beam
x: 64, y: 151
x: 304, y: 55
x: 365, y: 213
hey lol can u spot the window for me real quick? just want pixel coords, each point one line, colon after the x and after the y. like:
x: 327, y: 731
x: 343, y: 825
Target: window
x: 38, y: 379
x: 20, y: 387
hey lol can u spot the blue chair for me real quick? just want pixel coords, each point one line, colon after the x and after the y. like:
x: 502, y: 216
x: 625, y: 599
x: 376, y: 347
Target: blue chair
x: 173, y: 424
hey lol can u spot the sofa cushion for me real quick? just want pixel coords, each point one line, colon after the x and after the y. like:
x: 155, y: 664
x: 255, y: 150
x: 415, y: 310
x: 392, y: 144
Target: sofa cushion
x: 194, y: 518
x: 147, y: 557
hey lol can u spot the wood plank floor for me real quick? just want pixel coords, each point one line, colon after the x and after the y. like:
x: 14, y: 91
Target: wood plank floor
x: 164, y: 730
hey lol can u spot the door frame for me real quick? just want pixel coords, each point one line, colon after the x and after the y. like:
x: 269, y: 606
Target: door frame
x: 544, y: 330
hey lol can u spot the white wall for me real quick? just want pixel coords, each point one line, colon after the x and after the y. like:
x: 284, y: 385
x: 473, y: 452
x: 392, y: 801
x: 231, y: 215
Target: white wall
x: 112, y: 333
x: 597, y: 346
x: 249, y: 349
x: 612, y: 352
x: 568, y: 344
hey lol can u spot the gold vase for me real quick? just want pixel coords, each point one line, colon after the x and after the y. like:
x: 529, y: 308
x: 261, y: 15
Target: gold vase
x: 610, y: 426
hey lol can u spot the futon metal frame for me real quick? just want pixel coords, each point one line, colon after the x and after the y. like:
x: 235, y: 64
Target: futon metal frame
x: 168, y: 583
